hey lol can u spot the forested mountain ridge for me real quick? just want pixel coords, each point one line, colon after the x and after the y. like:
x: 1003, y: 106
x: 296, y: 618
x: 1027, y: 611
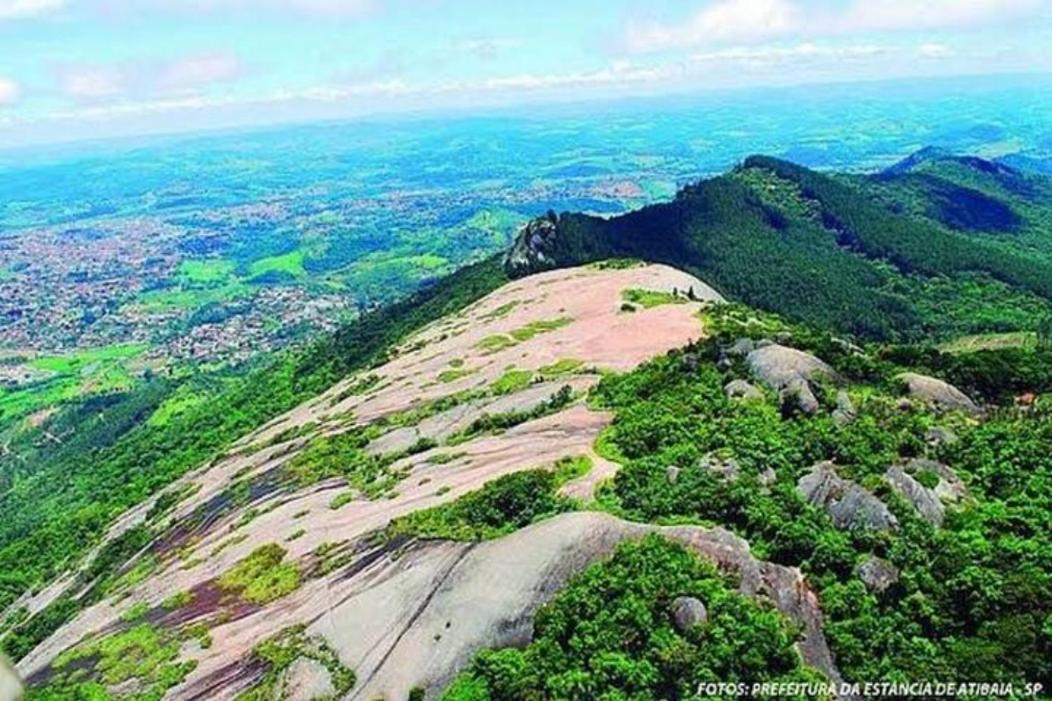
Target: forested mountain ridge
x: 882, y: 257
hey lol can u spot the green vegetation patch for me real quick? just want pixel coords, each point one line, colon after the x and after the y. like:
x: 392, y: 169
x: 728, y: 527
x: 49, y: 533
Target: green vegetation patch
x: 610, y: 635
x: 279, y: 653
x: 144, y: 654
x: 263, y: 576
x: 495, y: 343
x: 499, y: 342
x: 512, y: 381
x: 502, y: 506
x: 342, y: 455
x: 205, y: 272
x: 495, y: 423
x: 501, y: 311
x: 560, y: 368
x: 535, y: 328
x: 957, y: 593
x: 648, y: 299
x: 454, y: 374
x: 289, y: 263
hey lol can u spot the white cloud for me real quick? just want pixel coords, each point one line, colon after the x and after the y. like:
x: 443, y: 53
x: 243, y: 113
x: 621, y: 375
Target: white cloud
x: 893, y: 15
x: 934, y: 51
x: 318, y: 8
x: 723, y: 21
x: 181, y: 76
x: 84, y: 82
x: 10, y: 91
x: 782, y: 54
x: 16, y: 9
x: 194, y: 72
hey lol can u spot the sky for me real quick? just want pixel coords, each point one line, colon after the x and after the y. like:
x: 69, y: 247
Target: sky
x: 83, y: 69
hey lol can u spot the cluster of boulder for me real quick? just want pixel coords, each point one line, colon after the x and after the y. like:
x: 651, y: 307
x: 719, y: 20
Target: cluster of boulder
x: 791, y: 373
x: 796, y: 375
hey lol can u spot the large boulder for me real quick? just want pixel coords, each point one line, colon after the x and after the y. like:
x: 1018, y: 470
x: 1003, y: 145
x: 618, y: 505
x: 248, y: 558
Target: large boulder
x: 790, y: 372
x: 906, y: 479
x: 740, y: 389
x: 798, y: 396
x: 877, y: 574
x: 779, y: 366
x: 934, y: 391
x: 741, y: 347
x: 847, y: 503
x: 920, y: 497
x: 688, y: 612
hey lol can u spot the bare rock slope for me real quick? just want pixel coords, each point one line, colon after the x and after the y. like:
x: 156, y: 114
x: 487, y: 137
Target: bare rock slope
x: 511, y: 354
x: 415, y: 620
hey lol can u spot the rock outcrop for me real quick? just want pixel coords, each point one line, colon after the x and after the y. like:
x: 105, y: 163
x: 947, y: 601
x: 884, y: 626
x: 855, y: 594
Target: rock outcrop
x: 790, y: 372
x: 848, y: 504
x: 877, y: 574
x: 740, y: 389
x: 940, y: 394
x: 307, y: 680
x: 415, y: 619
x: 845, y: 411
x: 531, y: 250
x: 688, y: 612
x: 928, y: 501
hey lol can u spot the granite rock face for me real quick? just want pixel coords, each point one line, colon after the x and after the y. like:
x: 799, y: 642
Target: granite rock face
x: 940, y: 394
x: 688, y: 612
x: 530, y: 252
x: 877, y: 574
x: 847, y: 503
x: 928, y: 501
x: 791, y: 373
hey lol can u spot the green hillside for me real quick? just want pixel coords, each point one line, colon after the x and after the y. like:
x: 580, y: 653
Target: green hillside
x: 883, y: 257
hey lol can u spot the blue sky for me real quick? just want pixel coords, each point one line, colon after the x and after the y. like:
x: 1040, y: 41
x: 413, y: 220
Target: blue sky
x: 74, y: 69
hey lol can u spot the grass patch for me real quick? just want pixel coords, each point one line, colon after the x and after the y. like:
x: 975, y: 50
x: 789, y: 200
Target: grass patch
x: 560, y: 368
x: 144, y: 653
x: 990, y: 341
x: 501, y: 311
x: 178, y: 600
x: 495, y: 343
x: 494, y: 423
x: 648, y: 299
x: 290, y: 263
x: 447, y: 376
x: 263, y: 576
x: 535, y: 328
x: 512, y: 381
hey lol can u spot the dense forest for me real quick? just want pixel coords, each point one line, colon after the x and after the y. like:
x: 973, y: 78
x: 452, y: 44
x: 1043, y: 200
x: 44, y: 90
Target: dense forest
x: 863, y: 256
